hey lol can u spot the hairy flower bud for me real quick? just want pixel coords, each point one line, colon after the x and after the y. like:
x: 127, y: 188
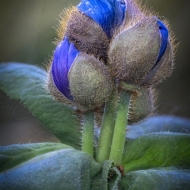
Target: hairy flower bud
x: 77, y: 78
x: 142, y: 55
x: 92, y: 23
x: 87, y: 35
x: 90, y: 82
x: 142, y: 104
x: 109, y: 14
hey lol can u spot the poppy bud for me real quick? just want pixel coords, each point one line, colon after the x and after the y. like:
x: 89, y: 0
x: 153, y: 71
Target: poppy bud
x: 90, y: 82
x: 87, y: 35
x: 77, y: 78
x: 142, y: 55
x: 109, y: 14
x: 142, y: 104
x: 91, y: 24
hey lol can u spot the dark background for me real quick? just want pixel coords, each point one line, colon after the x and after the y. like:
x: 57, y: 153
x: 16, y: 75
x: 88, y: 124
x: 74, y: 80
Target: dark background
x: 27, y: 30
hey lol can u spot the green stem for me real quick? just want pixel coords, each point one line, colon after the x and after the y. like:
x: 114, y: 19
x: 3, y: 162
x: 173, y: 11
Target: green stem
x: 107, y: 128
x: 118, y: 141
x: 129, y: 88
x: 88, y: 133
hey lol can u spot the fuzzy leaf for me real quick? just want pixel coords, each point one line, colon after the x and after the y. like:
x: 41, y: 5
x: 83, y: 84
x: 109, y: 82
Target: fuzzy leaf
x: 60, y: 169
x: 170, y: 179
x: 27, y: 83
x: 157, y: 150
x: 13, y: 155
x: 158, y: 124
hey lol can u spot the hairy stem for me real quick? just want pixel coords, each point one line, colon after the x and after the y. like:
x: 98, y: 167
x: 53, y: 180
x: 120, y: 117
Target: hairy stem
x: 118, y: 141
x: 107, y: 128
x: 88, y: 133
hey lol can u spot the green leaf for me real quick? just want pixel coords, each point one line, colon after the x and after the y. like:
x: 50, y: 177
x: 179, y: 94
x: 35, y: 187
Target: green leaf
x: 167, y: 179
x: 158, y: 124
x: 27, y: 83
x: 157, y: 150
x: 61, y: 169
x: 13, y: 155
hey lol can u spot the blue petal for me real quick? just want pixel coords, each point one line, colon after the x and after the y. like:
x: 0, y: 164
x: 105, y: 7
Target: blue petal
x: 164, y: 41
x: 109, y: 14
x: 64, y: 55
x: 164, y: 38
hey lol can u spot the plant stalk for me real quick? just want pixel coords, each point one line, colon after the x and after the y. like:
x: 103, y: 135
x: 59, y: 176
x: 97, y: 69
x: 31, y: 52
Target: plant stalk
x: 107, y: 128
x: 88, y: 133
x: 118, y: 141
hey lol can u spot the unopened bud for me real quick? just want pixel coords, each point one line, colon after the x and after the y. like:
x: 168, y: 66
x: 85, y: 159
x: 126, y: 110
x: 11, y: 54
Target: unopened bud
x: 142, y: 104
x: 142, y: 55
x: 78, y: 79
x: 109, y: 14
x: 87, y: 35
x: 90, y: 82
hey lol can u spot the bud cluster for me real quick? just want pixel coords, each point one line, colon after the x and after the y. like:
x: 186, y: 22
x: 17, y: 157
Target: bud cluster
x: 106, y: 42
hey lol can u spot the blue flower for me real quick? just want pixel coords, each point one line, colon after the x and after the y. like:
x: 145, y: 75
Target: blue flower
x: 164, y: 39
x: 64, y: 55
x: 109, y: 14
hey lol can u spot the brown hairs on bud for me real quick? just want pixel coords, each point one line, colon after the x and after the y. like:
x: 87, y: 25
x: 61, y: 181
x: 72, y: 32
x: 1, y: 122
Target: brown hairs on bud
x: 87, y: 35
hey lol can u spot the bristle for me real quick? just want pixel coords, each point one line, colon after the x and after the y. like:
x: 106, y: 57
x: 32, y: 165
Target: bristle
x: 47, y: 63
x: 64, y: 18
x: 173, y: 41
x: 154, y: 99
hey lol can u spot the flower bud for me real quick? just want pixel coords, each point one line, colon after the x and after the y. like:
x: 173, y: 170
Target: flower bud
x: 90, y: 82
x: 91, y: 24
x: 142, y: 55
x: 109, y: 14
x: 58, y: 83
x: 142, y: 104
x: 79, y: 79
x: 87, y: 35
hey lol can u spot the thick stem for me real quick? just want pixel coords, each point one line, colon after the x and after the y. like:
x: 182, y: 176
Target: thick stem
x: 88, y: 133
x: 107, y: 128
x: 130, y: 88
x: 118, y: 141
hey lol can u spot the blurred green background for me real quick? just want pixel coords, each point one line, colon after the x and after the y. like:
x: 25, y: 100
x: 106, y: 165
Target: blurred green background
x: 27, y: 30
